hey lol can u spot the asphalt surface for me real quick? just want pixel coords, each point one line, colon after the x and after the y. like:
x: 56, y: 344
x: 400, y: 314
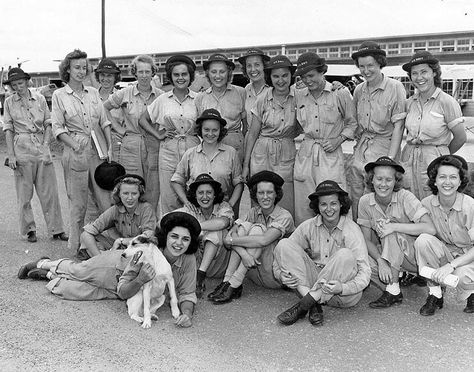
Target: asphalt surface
x: 40, y: 332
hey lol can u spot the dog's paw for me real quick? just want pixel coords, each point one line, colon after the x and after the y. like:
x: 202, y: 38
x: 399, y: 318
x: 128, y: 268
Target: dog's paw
x: 154, y: 317
x: 175, y: 312
x: 137, y: 318
x: 146, y: 324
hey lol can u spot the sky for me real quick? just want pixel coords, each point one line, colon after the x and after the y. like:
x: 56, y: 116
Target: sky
x: 42, y: 31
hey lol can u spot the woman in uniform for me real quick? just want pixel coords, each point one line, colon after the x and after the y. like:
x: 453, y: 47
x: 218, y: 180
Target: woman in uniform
x: 434, y: 122
x: 27, y: 127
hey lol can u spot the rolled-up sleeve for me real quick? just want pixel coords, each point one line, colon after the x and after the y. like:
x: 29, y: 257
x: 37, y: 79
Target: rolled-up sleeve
x: 185, y: 279
x: 58, y: 119
x: 363, y: 216
x: 104, y: 222
x: 181, y: 174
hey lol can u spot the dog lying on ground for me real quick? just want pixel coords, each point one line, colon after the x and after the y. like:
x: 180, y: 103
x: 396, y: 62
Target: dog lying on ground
x: 143, y: 305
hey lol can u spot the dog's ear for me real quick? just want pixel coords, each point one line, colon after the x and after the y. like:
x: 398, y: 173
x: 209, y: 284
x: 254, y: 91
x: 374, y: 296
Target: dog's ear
x: 142, y: 239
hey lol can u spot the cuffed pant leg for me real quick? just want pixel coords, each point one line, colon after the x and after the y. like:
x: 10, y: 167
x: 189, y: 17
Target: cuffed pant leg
x: 466, y: 281
x: 24, y: 182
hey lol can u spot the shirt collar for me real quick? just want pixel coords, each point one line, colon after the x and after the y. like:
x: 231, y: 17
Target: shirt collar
x: 435, y: 94
x: 457, y: 206
x: 372, y: 200
x: 191, y: 94
x: 71, y: 91
x: 178, y: 261
x: 17, y: 97
x: 122, y: 209
x: 220, y: 147
x: 340, y: 225
x: 229, y: 87
x: 273, y: 215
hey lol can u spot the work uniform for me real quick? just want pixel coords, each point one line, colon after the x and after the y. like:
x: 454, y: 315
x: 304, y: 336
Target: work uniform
x: 251, y: 96
x: 179, y: 120
x: 138, y: 152
x: 429, y: 128
x: 77, y: 116
x: 313, y: 254
x: 219, y: 263
x: 274, y: 149
x: 454, y: 238
x: 377, y: 111
x: 117, y: 131
x: 116, y: 223
x: 224, y: 167
x: 28, y: 120
x: 231, y: 106
x: 256, y: 223
x: 327, y: 117
x: 404, y: 207
x: 102, y: 276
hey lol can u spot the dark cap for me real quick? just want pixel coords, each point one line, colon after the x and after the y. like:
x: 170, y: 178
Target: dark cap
x: 181, y: 58
x: 368, y: 48
x: 183, y: 219
x: 453, y: 160
x: 218, y: 57
x: 211, y: 114
x: 307, y: 62
x: 265, y: 176
x: 253, y: 52
x: 280, y: 61
x: 422, y: 56
x: 16, y: 73
x: 130, y: 175
x: 384, y: 161
x: 205, y: 178
x: 327, y: 187
x: 106, y: 174
x: 107, y: 66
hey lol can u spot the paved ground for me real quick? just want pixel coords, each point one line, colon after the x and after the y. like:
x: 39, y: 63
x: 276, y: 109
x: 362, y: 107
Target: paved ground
x: 42, y: 333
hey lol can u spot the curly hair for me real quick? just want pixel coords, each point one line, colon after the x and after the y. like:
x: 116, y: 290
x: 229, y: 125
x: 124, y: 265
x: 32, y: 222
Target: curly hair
x: 278, y: 192
x: 169, y: 71
x: 229, y: 71
x: 65, y: 64
x: 268, y: 77
x: 451, y: 161
x: 369, y: 177
x: 222, y: 131
x: 344, y: 200
x: 244, y: 66
x: 144, y: 58
x: 128, y: 181
x: 380, y: 59
x: 218, y: 194
x: 436, y: 67
x: 162, y: 235
x: 117, y: 76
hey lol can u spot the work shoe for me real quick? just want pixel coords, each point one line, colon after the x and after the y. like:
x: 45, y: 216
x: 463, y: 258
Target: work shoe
x: 217, y: 290
x: 38, y: 274
x: 316, y: 315
x: 61, y: 236
x: 228, y: 294
x: 432, y: 303
x: 291, y: 316
x: 470, y: 305
x: 386, y: 300
x: 31, y: 237
x: 25, y: 269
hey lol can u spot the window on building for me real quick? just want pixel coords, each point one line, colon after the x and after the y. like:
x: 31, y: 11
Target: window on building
x: 323, y: 52
x: 333, y: 52
x: 345, y: 51
x: 463, y: 44
x: 434, y: 46
x: 420, y: 44
x: 301, y: 51
x: 407, y: 48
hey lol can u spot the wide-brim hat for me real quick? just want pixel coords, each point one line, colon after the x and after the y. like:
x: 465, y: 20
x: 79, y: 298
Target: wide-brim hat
x: 16, y: 73
x: 327, y: 187
x: 211, y: 114
x: 253, y: 52
x: 265, y: 176
x: 280, y: 61
x: 106, y: 174
x: 107, y: 66
x: 181, y: 58
x: 448, y: 160
x: 422, y: 56
x: 384, y: 161
x: 130, y: 175
x: 368, y: 48
x: 218, y: 57
x: 183, y: 219
x: 307, y: 62
x: 205, y: 178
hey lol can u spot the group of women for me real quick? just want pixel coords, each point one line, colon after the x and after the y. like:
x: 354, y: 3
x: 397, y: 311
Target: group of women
x: 194, y: 151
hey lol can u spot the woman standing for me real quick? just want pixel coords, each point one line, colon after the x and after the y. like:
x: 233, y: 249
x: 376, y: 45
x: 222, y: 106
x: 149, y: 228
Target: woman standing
x: 270, y: 141
x: 226, y: 98
x: 175, y: 114
x: 108, y: 74
x: 213, y: 157
x: 77, y: 111
x: 327, y: 117
x: 27, y: 127
x: 139, y: 154
x: 434, y: 122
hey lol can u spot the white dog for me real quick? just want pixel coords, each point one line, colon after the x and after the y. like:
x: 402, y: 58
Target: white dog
x: 143, y: 305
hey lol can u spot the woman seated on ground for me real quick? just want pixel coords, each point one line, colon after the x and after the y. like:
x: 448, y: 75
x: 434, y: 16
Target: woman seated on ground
x: 325, y: 259
x: 111, y: 276
x: 130, y: 216
x: 253, y: 239
x: 390, y: 218
x: 207, y: 205
x: 451, y: 251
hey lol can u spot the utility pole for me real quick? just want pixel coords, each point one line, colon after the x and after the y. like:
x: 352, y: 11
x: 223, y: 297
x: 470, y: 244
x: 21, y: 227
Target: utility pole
x: 103, y: 29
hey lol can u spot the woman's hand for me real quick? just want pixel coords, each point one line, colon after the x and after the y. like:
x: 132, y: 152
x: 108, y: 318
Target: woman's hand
x: 46, y: 155
x: 109, y: 154
x: 245, y: 172
x: 385, y: 272
x: 183, y: 321
x: 12, y: 162
x: 249, y: 261
x: 331, y: 144
x: 440, y: 274
x: 118, y: 244
x: 191, y: 207
x: 146, y: 273
x: 384, y: 228
x: 289, y: 280
x: 333, y: 287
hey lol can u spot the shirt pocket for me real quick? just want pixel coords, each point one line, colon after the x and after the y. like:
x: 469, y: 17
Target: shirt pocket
x: 329, y: 114
x: 381, y: 115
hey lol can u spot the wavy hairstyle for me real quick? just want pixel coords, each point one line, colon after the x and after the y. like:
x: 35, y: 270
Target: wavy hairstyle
x: 344, y: 200
x: 65, y: 64
x: 380, y: 59
x: 452, y: 161
x: 436, y: 67
x: 278, y: 191
x: 128, y: 181
x: 369, y: 177
x: 218, y: 194
x: 162, y: 234
x: 169, y: 71
x: 222, y: 131
x: 144, y: 58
